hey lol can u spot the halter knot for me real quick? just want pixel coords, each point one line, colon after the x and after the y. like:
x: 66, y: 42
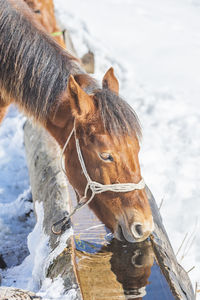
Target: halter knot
x: 98, y: 188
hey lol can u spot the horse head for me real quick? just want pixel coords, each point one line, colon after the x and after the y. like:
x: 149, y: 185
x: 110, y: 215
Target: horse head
x: 107, y: 131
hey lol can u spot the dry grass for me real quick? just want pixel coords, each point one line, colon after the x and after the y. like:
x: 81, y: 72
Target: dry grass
x: 161, y: 203
x: 187, y: 242
x: 197, y: 289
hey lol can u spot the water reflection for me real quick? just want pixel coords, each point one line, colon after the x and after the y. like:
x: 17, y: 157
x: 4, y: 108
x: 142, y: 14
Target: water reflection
x: 111, y: 270
x: 132, y: 265
x: 117, y: 271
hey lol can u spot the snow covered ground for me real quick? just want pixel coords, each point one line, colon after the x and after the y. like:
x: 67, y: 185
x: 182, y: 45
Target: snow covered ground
x: 154, y: 47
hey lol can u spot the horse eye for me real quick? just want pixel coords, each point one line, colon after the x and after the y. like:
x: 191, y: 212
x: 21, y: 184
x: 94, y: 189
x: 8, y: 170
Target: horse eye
x: 106, y: 156
x: 37, y: 11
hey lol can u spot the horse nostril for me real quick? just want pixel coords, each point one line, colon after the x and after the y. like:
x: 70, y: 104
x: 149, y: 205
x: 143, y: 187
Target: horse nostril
x: 137, y: 230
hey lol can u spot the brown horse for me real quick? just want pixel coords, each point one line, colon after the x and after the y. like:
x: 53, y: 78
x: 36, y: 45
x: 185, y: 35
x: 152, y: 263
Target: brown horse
x: 44, y: 11
x: 47, y: 83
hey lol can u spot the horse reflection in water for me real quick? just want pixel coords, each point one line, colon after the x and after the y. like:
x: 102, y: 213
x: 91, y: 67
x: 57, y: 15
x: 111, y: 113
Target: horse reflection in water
x: 118, y: 271
x: 132, y: 265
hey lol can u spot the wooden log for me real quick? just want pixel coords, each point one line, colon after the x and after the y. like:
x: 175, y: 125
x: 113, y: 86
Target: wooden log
x: 176, y: 276
x: 49, y: 187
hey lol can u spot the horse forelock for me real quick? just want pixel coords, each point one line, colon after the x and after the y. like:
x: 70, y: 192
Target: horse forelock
x: 117, y: 116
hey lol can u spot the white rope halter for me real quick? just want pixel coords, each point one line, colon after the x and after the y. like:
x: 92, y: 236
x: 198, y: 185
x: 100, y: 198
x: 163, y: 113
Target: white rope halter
x: 93, y: 186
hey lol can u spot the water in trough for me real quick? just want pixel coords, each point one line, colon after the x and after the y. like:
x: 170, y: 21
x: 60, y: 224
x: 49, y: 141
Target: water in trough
x: 109, y: 269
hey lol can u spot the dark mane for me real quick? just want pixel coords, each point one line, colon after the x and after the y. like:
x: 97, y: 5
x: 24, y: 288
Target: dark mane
x: 117, y: 115
x: 33, y: 68
x: 34, y: 71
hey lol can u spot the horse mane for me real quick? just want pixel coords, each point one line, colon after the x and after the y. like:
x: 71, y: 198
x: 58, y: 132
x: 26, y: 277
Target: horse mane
x: 117, y: 115
x: 33, y: 68
x: 34, y: 71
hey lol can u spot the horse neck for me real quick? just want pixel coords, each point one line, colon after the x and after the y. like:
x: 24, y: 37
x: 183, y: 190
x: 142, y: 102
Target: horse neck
x: 34, y: 69
x: 39, y: 78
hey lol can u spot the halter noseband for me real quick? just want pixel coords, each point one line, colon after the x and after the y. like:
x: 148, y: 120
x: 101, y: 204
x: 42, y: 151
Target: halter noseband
x: 95, y: 187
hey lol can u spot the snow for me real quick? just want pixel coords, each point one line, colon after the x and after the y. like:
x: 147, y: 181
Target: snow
x: 28, y: 274
x: 154, y: 48
x: 54, y: 290
x: 155, y: 53
x: 31, y: 272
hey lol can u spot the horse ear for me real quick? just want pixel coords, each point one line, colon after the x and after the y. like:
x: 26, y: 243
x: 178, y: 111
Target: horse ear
x: 81, y: 103
x: 110, y: 81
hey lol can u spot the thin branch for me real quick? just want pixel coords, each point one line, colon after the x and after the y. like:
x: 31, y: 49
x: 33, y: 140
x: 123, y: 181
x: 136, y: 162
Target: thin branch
x: 179, y: 249
x: 161, y: 203
x: 190, y: 241
x: 190, y: 269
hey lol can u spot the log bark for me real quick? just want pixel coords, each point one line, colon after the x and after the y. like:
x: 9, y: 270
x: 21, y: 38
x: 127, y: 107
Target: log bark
x: 176, y: 276
x: 49, y: 187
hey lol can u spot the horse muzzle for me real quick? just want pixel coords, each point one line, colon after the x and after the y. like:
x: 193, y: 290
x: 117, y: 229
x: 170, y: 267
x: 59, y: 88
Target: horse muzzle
x: 136, y: 232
